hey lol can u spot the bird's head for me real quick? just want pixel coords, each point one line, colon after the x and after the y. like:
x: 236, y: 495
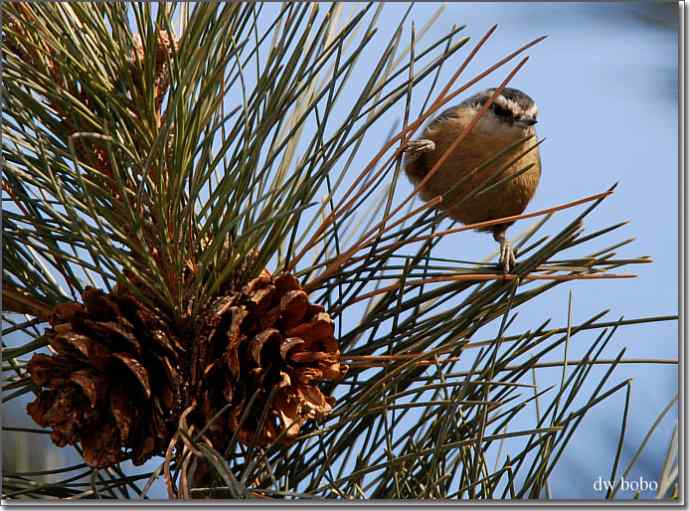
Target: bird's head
x: 510, y: 109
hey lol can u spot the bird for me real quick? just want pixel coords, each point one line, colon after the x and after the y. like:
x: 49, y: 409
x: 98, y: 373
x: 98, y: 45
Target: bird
x: 507, y: 127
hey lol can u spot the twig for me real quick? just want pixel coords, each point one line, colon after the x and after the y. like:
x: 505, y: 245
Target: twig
x: 480, y: 277
x: 314, y: 284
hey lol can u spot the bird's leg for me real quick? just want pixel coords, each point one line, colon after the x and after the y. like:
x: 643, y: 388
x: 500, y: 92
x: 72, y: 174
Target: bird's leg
x: 506, y: 257
x: 415, y: 148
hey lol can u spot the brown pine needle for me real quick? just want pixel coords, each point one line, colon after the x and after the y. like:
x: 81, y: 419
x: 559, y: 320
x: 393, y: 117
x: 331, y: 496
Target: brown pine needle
x: 464, y: 65
x: 21, y: 302
x: 345, y: 257
x: 513, y: 218
x: 479, y: 277
x: 366, y: 361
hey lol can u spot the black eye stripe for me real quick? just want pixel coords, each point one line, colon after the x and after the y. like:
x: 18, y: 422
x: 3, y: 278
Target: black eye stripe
x: 502, y: 111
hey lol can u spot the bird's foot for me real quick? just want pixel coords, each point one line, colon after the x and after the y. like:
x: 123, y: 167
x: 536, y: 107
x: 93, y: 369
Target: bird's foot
x: 506, y: 258
x: 415, y: 148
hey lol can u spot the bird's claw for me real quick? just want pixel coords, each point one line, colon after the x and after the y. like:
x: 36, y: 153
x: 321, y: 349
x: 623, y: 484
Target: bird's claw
x: 507, y: 258
x: 415, y: 148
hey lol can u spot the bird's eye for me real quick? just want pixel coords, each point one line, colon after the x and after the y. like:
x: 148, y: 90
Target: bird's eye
x: 501, y: 111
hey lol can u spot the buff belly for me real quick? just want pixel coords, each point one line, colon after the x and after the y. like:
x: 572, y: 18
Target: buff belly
x: 454, y: 179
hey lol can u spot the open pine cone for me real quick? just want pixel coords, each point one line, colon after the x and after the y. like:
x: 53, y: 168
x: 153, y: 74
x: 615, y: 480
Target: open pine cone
x: 262, y: 352
x: 165, y: 46
x: 115, y: 384
x: 121, y: 377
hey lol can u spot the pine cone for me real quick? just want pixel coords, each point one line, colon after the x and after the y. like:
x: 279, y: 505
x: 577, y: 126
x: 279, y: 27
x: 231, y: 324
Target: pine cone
x: 115, y: 384
x: 121, y: 378
x: 96, y: 153
x: 262, y: 351
x: 165, y: 45
x: 20, y: 40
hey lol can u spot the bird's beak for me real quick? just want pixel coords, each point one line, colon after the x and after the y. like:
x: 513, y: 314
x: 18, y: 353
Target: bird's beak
x: 526, y: 121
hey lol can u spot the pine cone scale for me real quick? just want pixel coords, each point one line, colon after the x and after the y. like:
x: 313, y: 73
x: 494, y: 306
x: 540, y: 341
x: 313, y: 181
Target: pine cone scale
x: 90, y: 384
x: 137, y: 370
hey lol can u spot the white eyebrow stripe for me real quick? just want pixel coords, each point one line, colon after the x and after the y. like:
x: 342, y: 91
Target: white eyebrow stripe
x: 509, y: 104
x: 502, y: 101
x: 516, y: 108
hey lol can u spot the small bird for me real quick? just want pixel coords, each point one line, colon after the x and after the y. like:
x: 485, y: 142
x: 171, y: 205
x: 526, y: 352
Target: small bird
x: 509, y: 120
